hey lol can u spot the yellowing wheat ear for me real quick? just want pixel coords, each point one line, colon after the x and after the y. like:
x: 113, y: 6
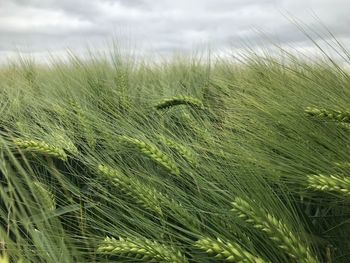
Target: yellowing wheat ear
x: 276, y: 230
x: 153, y: 153
x: 41, y: 148
x: 141, y: 249
x: 330, y: 183
x: 328, y: 114
x: 227, y: 251
x: 179, y: 100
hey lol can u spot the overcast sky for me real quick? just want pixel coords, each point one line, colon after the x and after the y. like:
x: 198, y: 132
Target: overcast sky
x: 162, y: 26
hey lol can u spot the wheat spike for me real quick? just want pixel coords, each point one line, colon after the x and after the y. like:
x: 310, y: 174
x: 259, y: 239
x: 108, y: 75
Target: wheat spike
x: 182, y: 150
x: 227, y: 251
x: 330, y: 183
x: 153, y: 153
x: 343, y: 165
x: 142, y: 249
x: 84, y: 122
x: 122, y: 84
x: 61, y: 139
x: 41, y: 147
x: 329, y: 114
x: 44, y: 195
x: 149, y: 198
x: 179, y: 100
x: 275, y: 229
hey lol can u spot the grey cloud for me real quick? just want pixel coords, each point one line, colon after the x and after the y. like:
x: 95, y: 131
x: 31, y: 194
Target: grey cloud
x: 164, y: 25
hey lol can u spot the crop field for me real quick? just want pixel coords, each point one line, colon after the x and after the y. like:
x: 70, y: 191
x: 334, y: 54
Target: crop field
x: 113, y: 160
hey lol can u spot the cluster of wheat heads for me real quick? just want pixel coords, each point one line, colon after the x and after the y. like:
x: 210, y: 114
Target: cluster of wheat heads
x: 114, y: 163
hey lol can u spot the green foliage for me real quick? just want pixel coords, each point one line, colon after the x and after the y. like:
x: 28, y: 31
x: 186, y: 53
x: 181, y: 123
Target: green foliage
x: 115, y: 147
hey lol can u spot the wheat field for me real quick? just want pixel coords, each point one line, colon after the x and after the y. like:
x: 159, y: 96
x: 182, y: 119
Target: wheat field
x: 113, y: 160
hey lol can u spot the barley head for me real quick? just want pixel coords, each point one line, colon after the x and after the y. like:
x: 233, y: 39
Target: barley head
x: 330, y: 183
x: 227, y: 251
x: 41, y: 148
x: 328, y: 114
x: 153, y: 153
x: 275, y: 229
x: 142, y: 249
x: 44, y: 195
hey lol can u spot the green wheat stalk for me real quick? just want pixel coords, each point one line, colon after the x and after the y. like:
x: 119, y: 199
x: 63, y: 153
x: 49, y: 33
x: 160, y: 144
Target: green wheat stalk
x: 276, y: 230
x: 41, y: 147
x: 227, y: 251
x: 141, y: 249
x: 179, y: 100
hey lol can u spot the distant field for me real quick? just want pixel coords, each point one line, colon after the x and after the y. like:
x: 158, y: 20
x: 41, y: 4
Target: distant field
x: 115, y: 161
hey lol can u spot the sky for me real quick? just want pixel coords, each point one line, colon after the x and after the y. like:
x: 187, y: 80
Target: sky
x: 164, y: 27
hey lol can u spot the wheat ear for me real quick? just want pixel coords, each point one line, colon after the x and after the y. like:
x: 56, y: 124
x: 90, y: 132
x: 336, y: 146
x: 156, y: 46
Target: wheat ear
x: 179, y: 100
x: 122, y: 83
x: 227, y: 251
x: 147, y: 197
x: 330, y: 183
x: 182, y: 150
x: 343, y: 165
x: 153, y: 153
x: 41, y: 147
x: 328, y: 114
x: 47, y: 198
x: 275, y: 229
x: 84, y: 122
x: 142, y: 249
x: 61, y: 139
